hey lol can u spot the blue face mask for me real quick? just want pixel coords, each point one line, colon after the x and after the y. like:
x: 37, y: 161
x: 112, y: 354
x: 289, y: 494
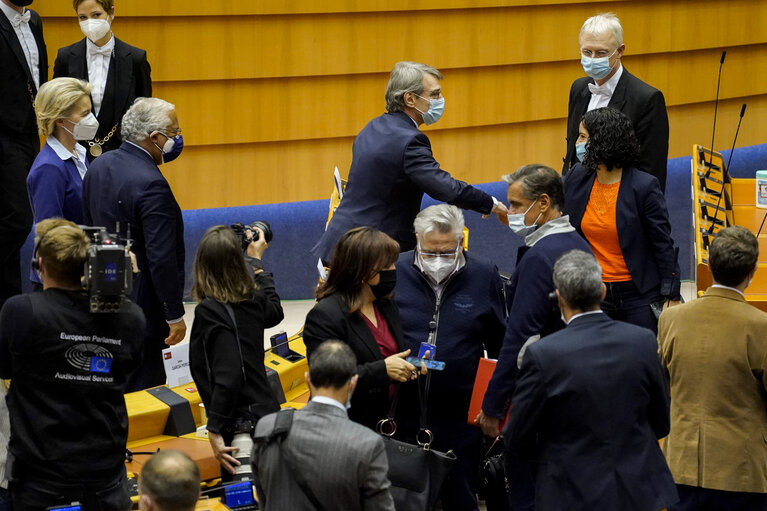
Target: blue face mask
x: 580, y: 151
x: 517, y: 222
x: 435, y: 111
x: 178, y: 146
x: 597, y: 68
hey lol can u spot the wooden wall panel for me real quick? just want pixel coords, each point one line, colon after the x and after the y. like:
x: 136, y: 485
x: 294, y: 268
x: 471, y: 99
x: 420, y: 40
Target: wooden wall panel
x: 270, y: 94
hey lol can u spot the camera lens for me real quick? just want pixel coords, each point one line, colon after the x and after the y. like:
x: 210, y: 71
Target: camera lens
x: 265, y: 228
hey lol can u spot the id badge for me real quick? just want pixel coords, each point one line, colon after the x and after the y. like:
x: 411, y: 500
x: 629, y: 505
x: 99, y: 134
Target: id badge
x: 431, y: 348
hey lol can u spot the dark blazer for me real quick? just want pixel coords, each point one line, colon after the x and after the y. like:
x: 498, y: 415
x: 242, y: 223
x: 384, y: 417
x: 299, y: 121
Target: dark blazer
x: 128, y: 78
x: 641, y: 103
x: 126, y: 186
x: 330, y: 319
x: 17, y: 88
x: 644, y: 231
x: 227, y: 364
x: 392, y: 167
x: 590, y: 405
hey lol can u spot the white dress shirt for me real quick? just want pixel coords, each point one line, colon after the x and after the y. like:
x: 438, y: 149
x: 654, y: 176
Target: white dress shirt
x: 62, y: 152
x: 720, y: 286
x: 98, y: 69
x: 329, y: 401
x: 20, y: 24
x: 605, y: 91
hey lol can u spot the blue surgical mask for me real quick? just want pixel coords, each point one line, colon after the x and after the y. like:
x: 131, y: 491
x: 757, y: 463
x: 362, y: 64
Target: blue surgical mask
x: 597, y: 68
x: 517, y: 223
x: 178, y: 146
x: 435, y: 111
x: 580, y: 151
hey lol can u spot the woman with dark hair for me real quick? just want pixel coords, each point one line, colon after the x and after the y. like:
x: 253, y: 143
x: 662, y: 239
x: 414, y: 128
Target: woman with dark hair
x: 622, y: 214
x: 237, y: 300
x: 355, y: 307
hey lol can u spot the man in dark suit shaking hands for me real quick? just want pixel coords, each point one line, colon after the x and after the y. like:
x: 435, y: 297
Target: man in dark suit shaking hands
x: 393, y: 166
x: 590, y: 403
x: 124, y: 189
x: 23, y: 68
x: 609, y: 84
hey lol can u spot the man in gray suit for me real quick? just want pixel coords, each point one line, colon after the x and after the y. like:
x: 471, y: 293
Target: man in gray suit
x: 324, y: 458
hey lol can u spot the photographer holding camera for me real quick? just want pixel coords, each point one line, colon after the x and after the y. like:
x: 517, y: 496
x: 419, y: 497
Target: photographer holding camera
x: 69, y: 368
x: 237, y: 300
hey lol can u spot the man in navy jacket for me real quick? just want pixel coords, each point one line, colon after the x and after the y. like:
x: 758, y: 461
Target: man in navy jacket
x: 590, y: 405
x: 454, y: 300
x: 125, y: 190
x: 536, y: 199
x: 392, y: 165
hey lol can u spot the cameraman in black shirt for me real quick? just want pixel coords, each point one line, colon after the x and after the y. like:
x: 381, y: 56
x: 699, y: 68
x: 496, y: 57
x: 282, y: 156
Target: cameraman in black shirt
x: 68, y: 366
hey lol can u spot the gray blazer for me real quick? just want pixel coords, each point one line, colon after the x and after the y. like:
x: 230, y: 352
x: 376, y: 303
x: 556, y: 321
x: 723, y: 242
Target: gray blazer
x: 343, y: 462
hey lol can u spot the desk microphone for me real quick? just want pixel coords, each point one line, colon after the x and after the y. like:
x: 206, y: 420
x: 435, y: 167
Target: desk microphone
x: 726, y: 174
x: 716, y: 106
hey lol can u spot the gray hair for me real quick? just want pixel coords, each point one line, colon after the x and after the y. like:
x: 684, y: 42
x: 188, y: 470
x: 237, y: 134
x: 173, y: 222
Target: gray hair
x: 442, y: 218
x: 600, y: 24
x: 145, y: 116
x: 538, y: 179
x: 578, y: 278
x: 406, y: 77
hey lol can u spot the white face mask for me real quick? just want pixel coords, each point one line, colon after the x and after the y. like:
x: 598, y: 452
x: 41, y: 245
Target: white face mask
x: 95, y: 29
x: 438, y: 268
x: 85, y: 128
x: 518, y: 225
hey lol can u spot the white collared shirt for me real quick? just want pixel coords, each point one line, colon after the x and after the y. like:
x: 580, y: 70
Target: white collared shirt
x: 98, y: 69
x: 720, y: 286
x: 583, y: 314
x: 329, y: 401
x: 601, y: 100
x: 27, y: 42
x: 62, y: 152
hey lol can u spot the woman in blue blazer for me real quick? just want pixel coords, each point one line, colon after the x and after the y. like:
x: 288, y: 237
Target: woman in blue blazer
x: 622, y: 214
x: 55, y: 181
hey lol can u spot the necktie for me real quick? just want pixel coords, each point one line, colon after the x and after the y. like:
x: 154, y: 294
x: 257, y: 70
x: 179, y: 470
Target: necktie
x: 18, y: 19
x: 599, y: 90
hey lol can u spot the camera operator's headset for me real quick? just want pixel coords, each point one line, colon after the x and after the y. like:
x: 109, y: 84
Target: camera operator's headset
x: 35, y: 262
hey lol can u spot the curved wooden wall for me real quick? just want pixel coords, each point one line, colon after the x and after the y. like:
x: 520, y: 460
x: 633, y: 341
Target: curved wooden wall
x: 270, y: 94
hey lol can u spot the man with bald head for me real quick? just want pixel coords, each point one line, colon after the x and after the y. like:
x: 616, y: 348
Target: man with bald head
x: 609, y: 84
x: 170, y: 481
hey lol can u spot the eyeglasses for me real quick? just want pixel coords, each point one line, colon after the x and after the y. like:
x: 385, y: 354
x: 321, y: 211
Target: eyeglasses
x: 446, y: 254
x: 175, y: 132
x: 599, y: 54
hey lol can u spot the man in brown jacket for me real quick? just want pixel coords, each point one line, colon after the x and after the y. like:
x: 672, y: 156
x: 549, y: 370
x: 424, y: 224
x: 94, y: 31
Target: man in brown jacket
x: 715, y: 351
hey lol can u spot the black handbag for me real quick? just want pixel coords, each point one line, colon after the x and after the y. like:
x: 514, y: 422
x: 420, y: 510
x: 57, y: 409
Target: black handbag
x: 416, y: 472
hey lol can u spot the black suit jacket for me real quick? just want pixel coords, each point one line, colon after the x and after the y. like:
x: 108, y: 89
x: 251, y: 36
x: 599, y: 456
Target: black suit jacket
x: 17, y: 87
x: 129, y: 77
x: 392, y: 167
x: 641, y: 103
x: 644, y: 230
x: 330, y: 319
x: 590, y: 405
x: 126, y: 186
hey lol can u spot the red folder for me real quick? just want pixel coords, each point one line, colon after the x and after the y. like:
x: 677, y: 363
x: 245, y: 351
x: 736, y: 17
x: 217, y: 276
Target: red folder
x: 484, y: 373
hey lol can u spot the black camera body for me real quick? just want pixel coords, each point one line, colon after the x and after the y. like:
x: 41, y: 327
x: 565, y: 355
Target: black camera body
x: 108, y: 277
x: 248, y: 234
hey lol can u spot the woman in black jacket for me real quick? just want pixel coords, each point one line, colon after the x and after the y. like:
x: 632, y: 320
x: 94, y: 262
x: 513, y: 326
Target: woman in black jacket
x: 226, y: 357
x: 355, y: 307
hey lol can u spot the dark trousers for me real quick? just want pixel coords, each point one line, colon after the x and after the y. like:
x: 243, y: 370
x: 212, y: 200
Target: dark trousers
x: 695, y: 498
x: 6, y: 502
x: 624, y: 302
x: 520, y: 474
x: 16, y: 156
x: 151, y: 372
x: 39, y: 495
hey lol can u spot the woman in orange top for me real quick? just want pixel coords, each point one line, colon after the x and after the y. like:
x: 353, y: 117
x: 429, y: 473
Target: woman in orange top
x: 622, y: 214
